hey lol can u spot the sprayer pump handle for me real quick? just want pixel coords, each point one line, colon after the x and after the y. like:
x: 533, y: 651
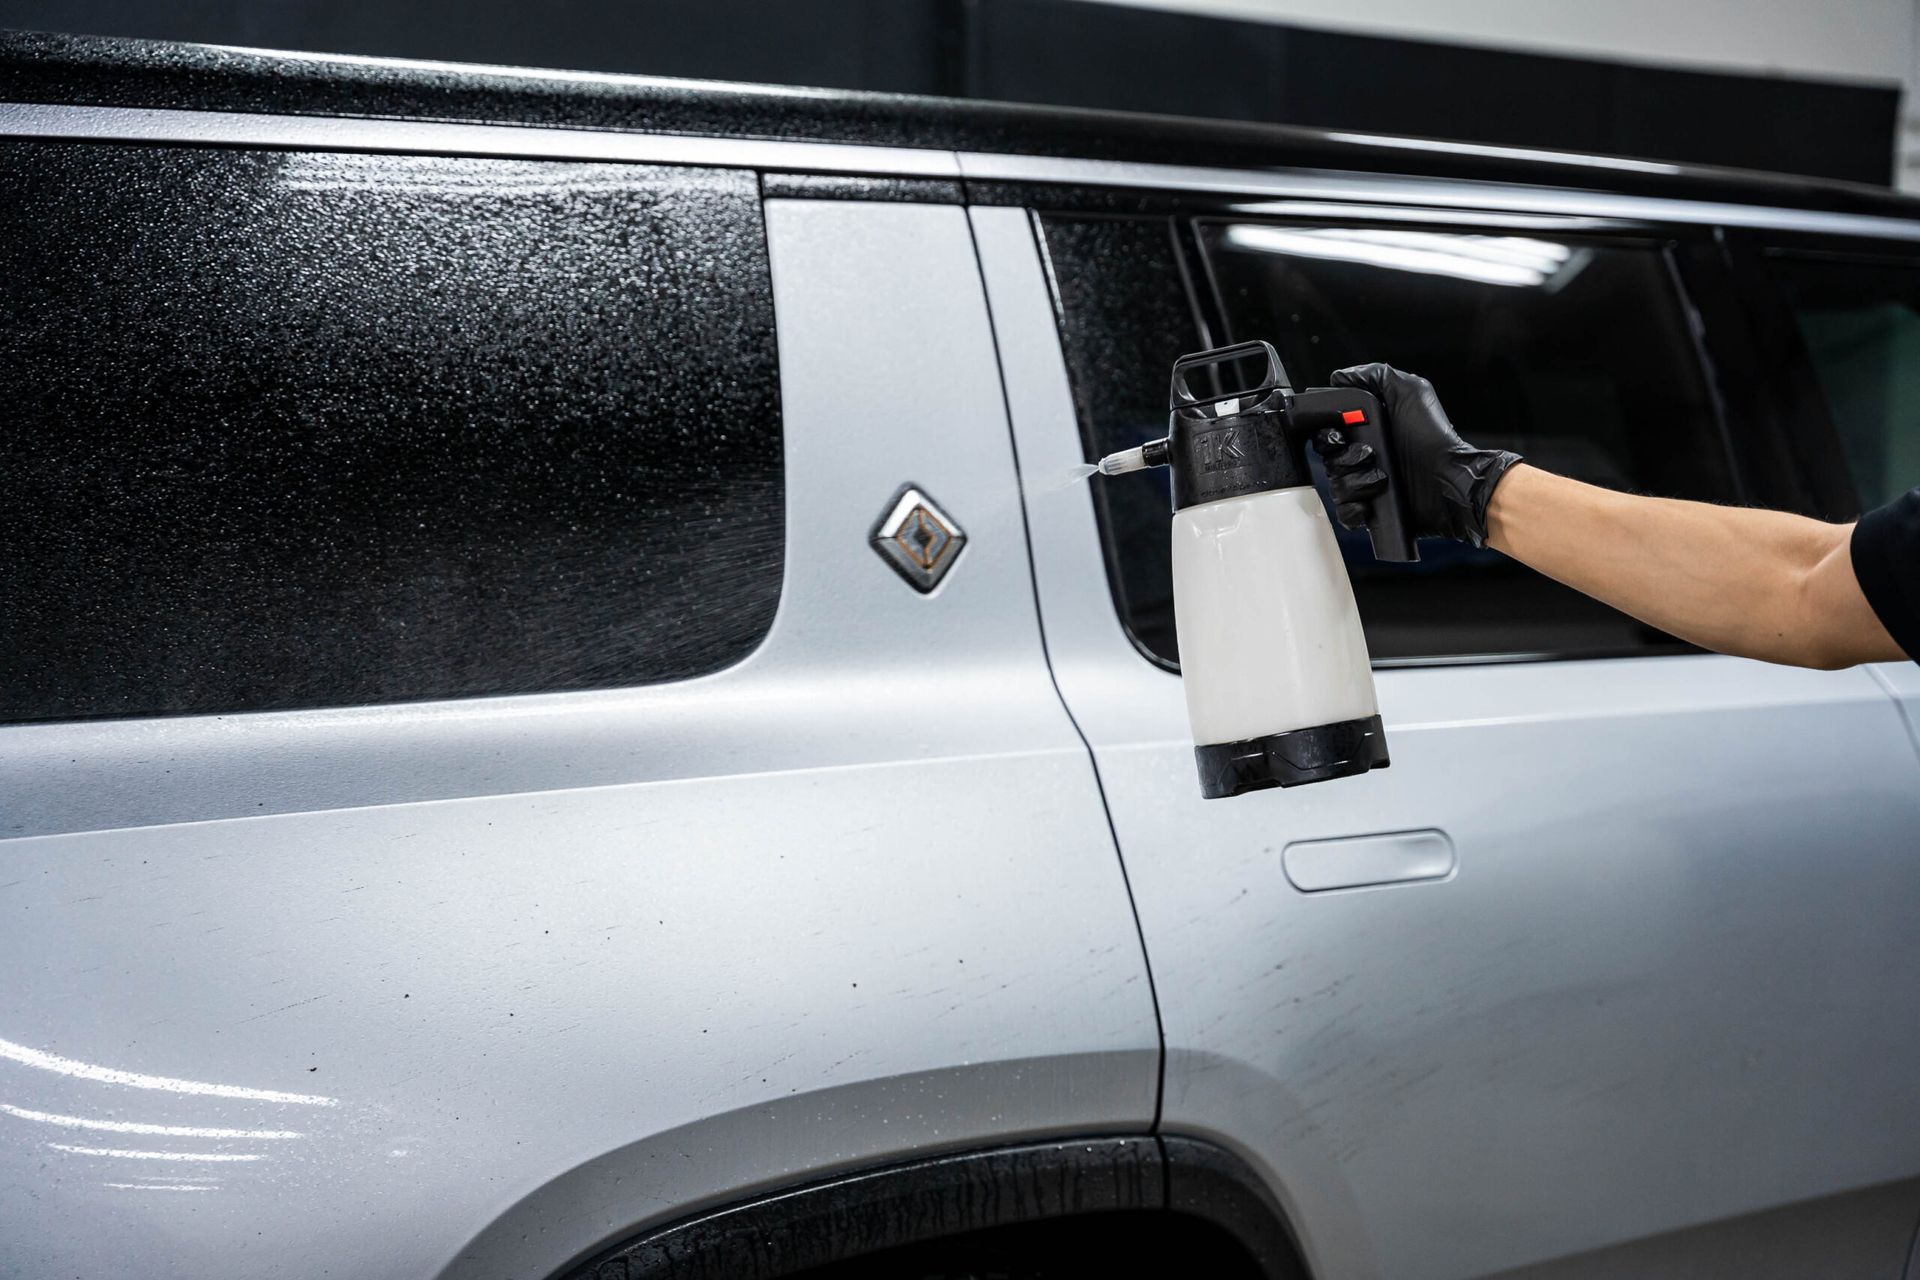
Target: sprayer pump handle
x: 1358, y: 416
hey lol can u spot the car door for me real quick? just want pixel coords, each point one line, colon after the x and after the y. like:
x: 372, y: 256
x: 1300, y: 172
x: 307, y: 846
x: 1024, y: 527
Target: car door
x: 470, y: 788
x: 1601, y: 976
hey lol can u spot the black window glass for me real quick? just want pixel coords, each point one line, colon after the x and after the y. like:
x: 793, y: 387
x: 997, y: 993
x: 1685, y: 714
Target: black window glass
x: 297, y: 430
x: 1125, y: 318
x: 1576, y: 355
x: 1861, y: 323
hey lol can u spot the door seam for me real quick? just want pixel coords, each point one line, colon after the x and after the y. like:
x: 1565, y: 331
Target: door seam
x: 1046, y: 654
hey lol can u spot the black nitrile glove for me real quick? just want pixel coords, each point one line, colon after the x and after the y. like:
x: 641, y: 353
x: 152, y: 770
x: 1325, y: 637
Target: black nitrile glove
x: 1446, y: 480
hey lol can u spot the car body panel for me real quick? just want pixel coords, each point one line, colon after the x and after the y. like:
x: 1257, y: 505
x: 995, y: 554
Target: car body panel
x: 1902, y: 680
x: 817, y: 911
x: 1608, y: 1022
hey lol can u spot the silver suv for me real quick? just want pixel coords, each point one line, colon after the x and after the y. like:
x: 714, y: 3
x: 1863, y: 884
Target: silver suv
x: 566, y: 716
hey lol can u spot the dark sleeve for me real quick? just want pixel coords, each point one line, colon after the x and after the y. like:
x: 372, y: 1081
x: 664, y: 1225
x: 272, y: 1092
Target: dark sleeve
x: 1886, y: 560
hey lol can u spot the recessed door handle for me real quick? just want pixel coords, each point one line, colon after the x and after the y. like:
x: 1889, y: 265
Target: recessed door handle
x: 1394, y: 857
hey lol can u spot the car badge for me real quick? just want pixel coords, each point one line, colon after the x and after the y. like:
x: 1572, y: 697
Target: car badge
x: 918, y: 539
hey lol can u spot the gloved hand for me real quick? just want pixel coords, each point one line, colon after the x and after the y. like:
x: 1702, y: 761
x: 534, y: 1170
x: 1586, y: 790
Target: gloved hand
x: 1447, y: 481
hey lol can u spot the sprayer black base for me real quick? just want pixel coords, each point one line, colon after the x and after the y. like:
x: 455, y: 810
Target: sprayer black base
x: 1294, y: 759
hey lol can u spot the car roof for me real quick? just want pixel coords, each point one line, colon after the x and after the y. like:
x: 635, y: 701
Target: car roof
x: 107, y: 71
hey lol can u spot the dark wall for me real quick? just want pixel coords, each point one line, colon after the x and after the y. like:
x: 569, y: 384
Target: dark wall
x: 1076, y: 53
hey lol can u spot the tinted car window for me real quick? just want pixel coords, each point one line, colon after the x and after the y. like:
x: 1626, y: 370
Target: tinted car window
x: 1125, y: 317
x: 299, y: 430
x: 1577, y: 355
x: 1861, y: 323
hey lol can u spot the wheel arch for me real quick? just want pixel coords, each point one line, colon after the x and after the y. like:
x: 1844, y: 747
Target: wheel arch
x: 1051, y: 1193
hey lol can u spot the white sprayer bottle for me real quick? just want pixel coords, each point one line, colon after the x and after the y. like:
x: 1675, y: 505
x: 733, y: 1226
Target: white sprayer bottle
x: 1278, y: 681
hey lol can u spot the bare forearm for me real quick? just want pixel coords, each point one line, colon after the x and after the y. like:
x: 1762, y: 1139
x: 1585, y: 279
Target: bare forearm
x: 1759, y: 584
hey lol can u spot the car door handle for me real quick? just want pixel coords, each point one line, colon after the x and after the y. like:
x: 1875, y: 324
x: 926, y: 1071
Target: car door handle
x: 1393, y: 857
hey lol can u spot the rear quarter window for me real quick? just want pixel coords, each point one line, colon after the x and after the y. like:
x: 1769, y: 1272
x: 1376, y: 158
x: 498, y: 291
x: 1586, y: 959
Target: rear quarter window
x: 303, y: 430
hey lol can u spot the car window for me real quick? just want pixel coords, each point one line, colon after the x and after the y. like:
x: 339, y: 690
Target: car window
x: 1577, y: 355
x: 1861, y: 324
x: 302, y: 430
x: 1125, y: 317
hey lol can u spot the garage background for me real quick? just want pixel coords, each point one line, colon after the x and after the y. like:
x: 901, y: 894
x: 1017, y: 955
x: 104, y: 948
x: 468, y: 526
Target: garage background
x: 1793, y: 85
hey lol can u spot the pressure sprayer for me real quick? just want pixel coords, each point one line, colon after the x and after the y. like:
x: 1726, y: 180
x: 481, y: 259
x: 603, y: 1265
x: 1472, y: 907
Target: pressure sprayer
x: 1279, y: 685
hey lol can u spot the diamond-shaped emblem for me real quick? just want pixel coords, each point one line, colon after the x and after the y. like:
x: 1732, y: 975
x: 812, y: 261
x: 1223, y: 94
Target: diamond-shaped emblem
x: 918, y: 539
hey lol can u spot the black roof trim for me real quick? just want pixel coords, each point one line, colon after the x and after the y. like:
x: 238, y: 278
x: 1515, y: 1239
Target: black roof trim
x: 38, y: 67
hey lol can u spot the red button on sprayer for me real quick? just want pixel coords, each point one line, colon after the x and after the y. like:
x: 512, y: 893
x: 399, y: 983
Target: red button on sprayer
x: 1354, y: 417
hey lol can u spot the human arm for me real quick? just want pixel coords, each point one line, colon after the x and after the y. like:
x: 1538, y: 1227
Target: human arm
x: 1757, y: 584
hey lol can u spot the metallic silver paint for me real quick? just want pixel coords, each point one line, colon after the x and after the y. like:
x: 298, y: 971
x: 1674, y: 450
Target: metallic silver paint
x: 536, y: 972
x: 1622, y: 164
x: 442, y: 138
x: 1658, y: 991
x: 1426, y: 192
x: 337, y: 133
x: 1327, y: 209
x: 1902, y: 680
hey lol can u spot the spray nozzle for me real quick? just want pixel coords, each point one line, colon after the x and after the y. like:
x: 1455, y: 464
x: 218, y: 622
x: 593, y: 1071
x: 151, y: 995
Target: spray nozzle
x: 1151, y: 454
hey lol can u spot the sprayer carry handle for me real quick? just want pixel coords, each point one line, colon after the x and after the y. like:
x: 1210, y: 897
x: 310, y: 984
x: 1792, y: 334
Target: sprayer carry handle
x: 1181, y: 394
x: 1357, y: 415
